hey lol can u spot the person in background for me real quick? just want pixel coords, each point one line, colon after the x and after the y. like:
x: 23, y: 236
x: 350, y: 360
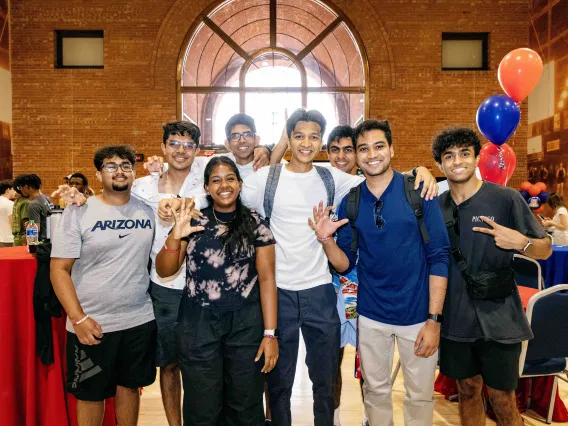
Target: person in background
x: 559, y: 222
x: 542, y: 174
x: 341, y: 155
x: 560, y: 178
x: 40, y: 205
x: 7, y: 193
x: 80, y: 181
x: 20, y: 212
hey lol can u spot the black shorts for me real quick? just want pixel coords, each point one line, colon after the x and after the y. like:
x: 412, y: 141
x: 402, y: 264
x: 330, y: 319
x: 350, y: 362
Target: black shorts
x: 497, y: 363
x: 166, y: 303
x: 123, y: 358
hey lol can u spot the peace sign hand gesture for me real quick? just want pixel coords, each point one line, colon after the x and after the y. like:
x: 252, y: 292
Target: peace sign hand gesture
x: 322, y: 224
x: 505, y: 238
x: 182, y: 227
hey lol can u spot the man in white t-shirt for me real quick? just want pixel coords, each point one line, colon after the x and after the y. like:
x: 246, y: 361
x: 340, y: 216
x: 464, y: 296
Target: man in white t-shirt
x: 306, y: 296
x: 6, y: 205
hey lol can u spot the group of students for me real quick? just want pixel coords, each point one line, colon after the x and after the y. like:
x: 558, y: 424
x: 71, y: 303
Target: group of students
x: 240, y: 264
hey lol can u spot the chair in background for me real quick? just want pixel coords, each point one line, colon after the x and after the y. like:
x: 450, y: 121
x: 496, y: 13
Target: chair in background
x: 527, y: 272
x: 545, y: 354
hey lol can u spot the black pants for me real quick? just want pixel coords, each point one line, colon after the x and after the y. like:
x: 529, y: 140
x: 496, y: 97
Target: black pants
x: 314, y: 311
x: 222, y: 384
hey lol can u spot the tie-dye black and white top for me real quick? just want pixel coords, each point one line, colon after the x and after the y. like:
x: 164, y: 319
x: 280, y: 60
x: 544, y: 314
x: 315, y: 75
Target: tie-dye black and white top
x: 217, y: 278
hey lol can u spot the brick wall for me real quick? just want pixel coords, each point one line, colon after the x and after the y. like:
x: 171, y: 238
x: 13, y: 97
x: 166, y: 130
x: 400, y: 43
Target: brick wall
x: 60, y: 117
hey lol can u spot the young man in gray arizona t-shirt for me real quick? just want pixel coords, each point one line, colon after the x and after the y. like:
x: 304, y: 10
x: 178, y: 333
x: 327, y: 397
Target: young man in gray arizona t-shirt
x: 481, y: 338
x: 99, y: 272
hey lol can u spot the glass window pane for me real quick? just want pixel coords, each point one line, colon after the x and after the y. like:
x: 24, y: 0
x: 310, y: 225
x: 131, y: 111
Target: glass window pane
x: 270, y: 111
x: 273, y: 70
x: 210, y: 112
x: 83, y: 51
x: 462, y: 53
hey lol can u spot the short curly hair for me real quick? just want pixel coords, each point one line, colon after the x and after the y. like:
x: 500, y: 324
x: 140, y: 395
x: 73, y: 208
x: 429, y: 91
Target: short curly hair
x: 454, y: 136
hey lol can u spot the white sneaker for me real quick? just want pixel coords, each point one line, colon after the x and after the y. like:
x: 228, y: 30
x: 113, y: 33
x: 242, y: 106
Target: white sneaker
x: 336, y: 421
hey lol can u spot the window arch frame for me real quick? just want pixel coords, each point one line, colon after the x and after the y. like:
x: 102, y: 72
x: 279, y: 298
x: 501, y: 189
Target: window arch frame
x: 203, y: 19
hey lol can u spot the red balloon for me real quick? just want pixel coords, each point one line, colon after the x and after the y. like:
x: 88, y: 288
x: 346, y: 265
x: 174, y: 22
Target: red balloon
x: 540, y: 209
x: 541, y: 185
x: 497, y: 163
x: 534, y: 190
x: 525, y: 186
x: 519, y: 73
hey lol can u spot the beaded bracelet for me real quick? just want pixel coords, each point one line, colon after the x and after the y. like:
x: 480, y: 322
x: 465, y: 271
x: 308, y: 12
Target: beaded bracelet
x: 80, y: 321
x: 323, y: 240
x: 170, y: 250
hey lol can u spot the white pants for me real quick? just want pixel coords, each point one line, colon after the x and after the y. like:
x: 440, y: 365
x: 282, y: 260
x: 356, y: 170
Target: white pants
x: 376, y: 347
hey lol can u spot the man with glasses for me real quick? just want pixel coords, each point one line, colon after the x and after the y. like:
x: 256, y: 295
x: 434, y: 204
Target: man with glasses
x: 100, y: 276
x: 402, y: 280
x: 184, y: 177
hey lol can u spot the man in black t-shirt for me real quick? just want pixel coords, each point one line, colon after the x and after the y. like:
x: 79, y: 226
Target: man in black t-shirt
x: 481, y: 339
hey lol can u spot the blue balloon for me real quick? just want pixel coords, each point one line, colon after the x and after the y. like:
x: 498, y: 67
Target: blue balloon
x: 497, y: 118
x: 543, y: 196
x: 525, y: 194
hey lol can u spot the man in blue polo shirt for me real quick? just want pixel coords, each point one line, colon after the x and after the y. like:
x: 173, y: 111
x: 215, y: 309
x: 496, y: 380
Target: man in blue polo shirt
x: 402, y: 280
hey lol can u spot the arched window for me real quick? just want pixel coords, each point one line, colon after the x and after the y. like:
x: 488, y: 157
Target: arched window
x: 267, y: 58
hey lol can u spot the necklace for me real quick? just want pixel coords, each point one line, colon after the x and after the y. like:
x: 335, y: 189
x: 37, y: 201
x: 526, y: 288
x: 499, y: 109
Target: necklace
x: 220, y: 221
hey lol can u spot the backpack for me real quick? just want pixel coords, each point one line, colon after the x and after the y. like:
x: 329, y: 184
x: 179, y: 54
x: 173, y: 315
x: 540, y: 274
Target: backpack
x: 272, y: 184
x: 412, y: 196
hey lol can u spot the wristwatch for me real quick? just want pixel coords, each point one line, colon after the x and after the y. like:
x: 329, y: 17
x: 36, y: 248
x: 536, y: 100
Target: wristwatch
x: 439, y: 318
x: 530, y: 243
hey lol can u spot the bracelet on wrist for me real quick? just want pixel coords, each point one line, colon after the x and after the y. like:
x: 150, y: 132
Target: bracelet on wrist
x: 80, y: 321
x: 170, y: 250
x: 270, y: 336
x: 323, y: 240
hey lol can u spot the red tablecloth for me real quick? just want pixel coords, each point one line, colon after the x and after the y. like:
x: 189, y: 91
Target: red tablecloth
x: 541, y: 386
x: 31, y: 393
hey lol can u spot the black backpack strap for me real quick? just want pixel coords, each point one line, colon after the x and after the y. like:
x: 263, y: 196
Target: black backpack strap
x: 353, y: 198
x: 270, y: 189
x: 415, y: 201
x: 327, y: 178
x: 450, y: 213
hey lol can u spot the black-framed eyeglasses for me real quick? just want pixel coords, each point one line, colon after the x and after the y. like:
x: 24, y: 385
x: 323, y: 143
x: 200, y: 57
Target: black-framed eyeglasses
x: 187, y: 146
x: 379, y: 221
x: 113, y: 167
x: 247, y: 136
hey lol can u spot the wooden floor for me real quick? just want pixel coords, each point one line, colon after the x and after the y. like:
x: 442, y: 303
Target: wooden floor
x: 445, y: 412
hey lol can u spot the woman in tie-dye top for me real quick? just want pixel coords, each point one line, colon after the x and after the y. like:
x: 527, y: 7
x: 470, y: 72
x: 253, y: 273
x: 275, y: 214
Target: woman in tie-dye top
x: 230, y: 298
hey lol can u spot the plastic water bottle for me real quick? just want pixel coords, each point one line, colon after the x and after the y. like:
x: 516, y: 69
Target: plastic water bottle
x: 32, y: 235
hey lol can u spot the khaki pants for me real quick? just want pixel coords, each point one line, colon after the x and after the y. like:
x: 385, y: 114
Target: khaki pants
x: 376, y: 346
